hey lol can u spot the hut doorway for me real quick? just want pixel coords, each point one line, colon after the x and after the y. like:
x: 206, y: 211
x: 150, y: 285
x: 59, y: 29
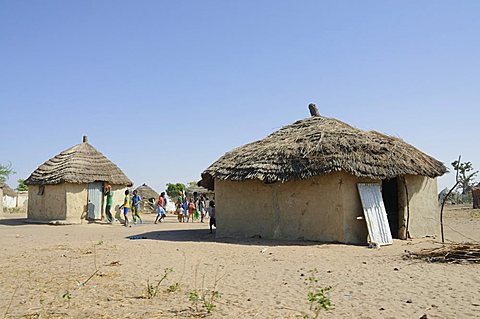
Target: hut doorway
x: 95, y: 197
x: 390, y: 200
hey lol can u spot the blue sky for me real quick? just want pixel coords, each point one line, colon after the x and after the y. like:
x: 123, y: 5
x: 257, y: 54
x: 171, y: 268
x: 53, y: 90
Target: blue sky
x: 164, y: 88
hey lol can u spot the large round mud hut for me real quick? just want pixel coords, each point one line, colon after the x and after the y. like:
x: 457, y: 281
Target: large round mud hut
x: 69, y: 187
x: 300, y: 183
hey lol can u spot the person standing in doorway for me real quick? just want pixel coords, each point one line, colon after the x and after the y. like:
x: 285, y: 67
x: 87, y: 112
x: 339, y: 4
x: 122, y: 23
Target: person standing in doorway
x: 109, y: 194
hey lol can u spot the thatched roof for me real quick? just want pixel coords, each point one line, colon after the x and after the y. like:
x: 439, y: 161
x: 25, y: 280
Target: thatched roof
x: 198, y: 189
x: 7, y: 190
x: 147, y: 192
x: 318, y: 146
x: 79, y: 164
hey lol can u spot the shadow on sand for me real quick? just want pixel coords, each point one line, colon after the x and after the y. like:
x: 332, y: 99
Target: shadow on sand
x: 13, y: 221
x: 204, y: 236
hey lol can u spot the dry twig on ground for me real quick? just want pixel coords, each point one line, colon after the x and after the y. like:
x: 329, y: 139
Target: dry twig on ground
x: 453, y: 253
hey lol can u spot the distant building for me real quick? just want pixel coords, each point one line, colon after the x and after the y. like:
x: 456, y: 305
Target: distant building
x: 149, y: 198
x: 9, y: 198
x: 210, y: 194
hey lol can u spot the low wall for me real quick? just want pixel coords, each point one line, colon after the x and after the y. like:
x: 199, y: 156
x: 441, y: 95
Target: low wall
x: 22, y: 199
x: 9, y: 201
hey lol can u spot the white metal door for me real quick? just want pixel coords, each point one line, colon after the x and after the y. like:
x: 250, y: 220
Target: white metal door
x: 375, y: 214
x: 95, y: 200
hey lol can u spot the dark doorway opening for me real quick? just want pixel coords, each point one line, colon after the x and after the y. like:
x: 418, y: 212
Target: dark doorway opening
x: 390, y: 200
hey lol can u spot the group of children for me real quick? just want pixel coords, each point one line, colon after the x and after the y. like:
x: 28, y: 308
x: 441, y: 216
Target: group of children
x: 187, y: 209
x: 195, y: 208
x: 132, y: 203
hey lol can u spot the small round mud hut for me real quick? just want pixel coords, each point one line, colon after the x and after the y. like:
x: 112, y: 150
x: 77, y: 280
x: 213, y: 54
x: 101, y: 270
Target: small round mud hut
x: 69, y: 187
x: 149, y: 198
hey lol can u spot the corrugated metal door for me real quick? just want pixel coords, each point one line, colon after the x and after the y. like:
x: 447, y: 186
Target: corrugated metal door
x: 375, y: 214
x: 95, y: 200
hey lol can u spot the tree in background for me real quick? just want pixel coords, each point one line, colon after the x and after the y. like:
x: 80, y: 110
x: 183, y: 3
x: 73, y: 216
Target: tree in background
x: 174, y: 189
x: 21, y: 185
x: 5, y: 171
x: 465, y: 176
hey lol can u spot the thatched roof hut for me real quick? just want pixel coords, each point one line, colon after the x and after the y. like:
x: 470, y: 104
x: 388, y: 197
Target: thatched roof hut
x: 146, y: 192
x: 200, y: 190
x: 318, y: 146
x: 79, y: 164
x: 9, y: 196
x: 149, y: 198
x: 7, y: 190
x: 70, y: 185
x: 300, y: 182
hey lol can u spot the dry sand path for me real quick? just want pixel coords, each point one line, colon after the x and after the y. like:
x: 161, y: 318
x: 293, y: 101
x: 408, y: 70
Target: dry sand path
x: 42, y: 269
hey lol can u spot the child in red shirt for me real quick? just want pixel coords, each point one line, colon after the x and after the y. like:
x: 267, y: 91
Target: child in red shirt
x: 191, y: 209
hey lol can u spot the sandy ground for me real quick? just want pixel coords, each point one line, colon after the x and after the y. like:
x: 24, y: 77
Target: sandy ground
x: 51, y: 272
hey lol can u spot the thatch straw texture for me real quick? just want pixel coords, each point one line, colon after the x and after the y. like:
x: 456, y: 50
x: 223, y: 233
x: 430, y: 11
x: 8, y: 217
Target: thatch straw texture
x: 7, y: 190
x: 318, y: 146
x: 199, y: 190
x: 146, y: 192
x: 79, y: 164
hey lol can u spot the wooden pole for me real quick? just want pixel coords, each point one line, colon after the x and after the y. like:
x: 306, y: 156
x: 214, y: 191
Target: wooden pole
x: 445, y: 199
x: 407, y: 233
x: 313, y: 109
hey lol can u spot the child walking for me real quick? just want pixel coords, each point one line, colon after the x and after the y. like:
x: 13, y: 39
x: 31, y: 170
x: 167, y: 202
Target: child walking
x: 211, y: 213
x: 126, y: 207
x: 180, y: 213
x: 160, y: 209
x: 191, y: 209
x: 136, y: 207
x: 185, y: 210
x: 201, y: 207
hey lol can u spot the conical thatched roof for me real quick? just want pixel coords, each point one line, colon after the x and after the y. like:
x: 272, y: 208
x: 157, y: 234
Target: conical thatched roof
x: 7, y: 190
x: 198, y: 189
x: 318, y: 146
x: 146, y: 192
x: 79, y: 164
